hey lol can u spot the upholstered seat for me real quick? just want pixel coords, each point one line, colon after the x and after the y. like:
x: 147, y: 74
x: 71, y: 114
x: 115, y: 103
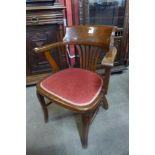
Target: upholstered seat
x: 76, y: 86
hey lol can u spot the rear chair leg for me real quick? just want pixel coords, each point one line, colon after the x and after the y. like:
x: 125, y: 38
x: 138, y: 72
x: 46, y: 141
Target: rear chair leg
x: 105, y: 102
x: 44, y: 106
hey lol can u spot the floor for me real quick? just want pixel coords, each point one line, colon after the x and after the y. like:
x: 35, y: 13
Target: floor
x: 108, y: 135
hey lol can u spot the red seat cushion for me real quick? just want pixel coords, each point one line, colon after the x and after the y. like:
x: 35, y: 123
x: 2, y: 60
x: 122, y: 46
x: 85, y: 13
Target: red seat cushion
x: 74, y: 85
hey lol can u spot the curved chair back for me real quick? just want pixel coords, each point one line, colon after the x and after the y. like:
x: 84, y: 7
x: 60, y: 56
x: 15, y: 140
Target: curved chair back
x: 89, y: 41
x: 89, y: 35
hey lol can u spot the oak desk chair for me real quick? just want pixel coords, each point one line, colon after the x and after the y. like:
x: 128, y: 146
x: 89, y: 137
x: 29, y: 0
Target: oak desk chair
x: 80, y: 90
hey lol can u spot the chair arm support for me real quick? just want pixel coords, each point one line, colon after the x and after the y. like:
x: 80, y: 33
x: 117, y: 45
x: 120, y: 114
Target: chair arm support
x: 46, y: 51
x: 108, y: 60
x: 48, y: 47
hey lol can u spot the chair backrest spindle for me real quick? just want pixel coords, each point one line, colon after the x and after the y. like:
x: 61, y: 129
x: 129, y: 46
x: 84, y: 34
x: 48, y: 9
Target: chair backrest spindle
x: 88, y: 56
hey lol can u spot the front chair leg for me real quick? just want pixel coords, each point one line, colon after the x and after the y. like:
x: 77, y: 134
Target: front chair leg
x: 86, y: 119
x: 104, y: 102
x: 43, y: 105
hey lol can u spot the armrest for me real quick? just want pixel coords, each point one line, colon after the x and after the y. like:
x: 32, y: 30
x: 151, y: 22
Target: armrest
x: 48, y: 47
x: 109, y: 58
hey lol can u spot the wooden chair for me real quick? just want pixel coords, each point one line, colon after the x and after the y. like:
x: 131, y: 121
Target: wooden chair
x: 80, y: 90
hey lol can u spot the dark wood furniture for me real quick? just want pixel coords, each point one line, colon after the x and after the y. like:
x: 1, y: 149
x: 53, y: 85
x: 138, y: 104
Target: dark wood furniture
x: 89, y: 42
x: 44, y: 24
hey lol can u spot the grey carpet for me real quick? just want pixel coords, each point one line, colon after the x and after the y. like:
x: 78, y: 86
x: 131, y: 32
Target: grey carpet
x: 108, y: 135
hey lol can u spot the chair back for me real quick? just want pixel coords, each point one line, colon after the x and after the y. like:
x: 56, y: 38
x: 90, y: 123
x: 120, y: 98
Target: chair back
x: 89, y: 42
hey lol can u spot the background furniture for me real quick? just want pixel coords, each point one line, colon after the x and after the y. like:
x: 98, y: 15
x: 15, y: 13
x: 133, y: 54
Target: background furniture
x: 44, y: 24
x: 78, y: 89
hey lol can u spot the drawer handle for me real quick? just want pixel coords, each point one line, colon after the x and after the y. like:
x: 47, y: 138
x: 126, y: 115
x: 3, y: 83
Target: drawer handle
x: 34, y: 19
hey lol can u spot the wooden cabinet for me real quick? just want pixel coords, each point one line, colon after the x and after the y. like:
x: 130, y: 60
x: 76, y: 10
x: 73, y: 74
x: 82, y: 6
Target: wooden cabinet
x: 44, y: 24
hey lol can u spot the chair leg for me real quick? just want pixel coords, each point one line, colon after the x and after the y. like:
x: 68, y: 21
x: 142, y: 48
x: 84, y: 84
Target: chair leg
x: 105, y: 102
x: 87, y: 119
x: 43, y: 105
x: 85, y: 129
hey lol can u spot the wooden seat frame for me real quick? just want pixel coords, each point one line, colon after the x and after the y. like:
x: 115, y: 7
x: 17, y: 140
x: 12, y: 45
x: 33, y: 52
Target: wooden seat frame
x: 89, y: 41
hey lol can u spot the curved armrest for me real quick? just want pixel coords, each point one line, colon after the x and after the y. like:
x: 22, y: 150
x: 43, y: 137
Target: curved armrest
x: 48, y: 47
x: 109, y: 58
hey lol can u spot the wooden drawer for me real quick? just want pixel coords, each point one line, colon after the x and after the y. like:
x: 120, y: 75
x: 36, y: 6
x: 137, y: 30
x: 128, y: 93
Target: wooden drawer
x: 44, y: 17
